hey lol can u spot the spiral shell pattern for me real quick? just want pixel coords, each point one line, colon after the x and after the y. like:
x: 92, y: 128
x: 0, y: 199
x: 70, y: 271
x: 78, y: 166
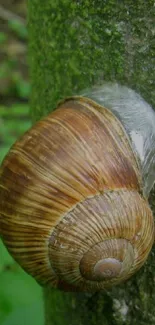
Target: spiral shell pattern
x: 72, y: 211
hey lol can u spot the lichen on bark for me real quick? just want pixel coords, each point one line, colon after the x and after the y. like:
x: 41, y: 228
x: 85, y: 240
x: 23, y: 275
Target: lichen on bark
x: 74, y: 45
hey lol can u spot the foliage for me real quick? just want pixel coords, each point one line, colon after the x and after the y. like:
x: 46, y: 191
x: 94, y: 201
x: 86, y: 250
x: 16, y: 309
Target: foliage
x: 20, y: 295
x: 13, y: 69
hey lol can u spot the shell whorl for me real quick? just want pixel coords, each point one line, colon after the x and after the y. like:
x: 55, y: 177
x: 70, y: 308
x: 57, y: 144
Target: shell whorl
x: 103, y: 240
x: 72, y: 211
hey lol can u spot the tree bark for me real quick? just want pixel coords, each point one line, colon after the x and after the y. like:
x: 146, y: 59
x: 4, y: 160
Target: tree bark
x: 74, y: 45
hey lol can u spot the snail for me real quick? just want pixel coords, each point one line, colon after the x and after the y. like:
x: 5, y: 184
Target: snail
x: 74, y: 190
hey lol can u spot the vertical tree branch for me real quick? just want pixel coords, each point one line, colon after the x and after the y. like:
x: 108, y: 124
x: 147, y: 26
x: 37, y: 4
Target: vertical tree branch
x: 74, y: 45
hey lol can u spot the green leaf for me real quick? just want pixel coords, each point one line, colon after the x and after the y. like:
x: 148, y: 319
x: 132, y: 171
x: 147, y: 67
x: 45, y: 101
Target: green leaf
x: 19, y: 28
x: 3, y: 152
x: 29, y: 315
x: 20, y: 109
x: 18, y: 291
x: 5, y: 256
x: 13, y: 110
x: 23, y: 88
x: 3, y: 37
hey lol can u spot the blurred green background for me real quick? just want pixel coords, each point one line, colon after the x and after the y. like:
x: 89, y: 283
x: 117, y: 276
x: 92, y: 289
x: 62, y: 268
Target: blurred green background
x: 20, y: 296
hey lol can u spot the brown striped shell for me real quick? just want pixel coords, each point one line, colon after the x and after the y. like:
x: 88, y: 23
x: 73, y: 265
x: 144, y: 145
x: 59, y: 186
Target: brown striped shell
x: 72, y: 211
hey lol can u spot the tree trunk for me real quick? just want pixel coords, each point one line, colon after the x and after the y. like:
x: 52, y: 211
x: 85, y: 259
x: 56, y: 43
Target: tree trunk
x: 74, y: 45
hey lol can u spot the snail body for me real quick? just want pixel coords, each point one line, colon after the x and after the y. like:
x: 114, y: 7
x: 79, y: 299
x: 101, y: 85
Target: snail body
x: 73, y: 211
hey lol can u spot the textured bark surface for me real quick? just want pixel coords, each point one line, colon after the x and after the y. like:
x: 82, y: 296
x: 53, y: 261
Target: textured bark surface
x: 74, y: 45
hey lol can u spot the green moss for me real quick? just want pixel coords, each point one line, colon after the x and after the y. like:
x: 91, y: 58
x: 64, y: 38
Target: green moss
x: 71, y: 49
x: 74, y: 45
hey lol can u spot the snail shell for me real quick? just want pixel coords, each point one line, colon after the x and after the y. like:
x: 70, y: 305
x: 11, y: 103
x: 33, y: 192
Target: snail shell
x: 72, y: 212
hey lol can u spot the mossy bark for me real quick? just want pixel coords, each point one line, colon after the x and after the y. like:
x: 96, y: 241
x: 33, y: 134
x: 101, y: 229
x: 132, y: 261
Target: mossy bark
x: 74, y: 45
